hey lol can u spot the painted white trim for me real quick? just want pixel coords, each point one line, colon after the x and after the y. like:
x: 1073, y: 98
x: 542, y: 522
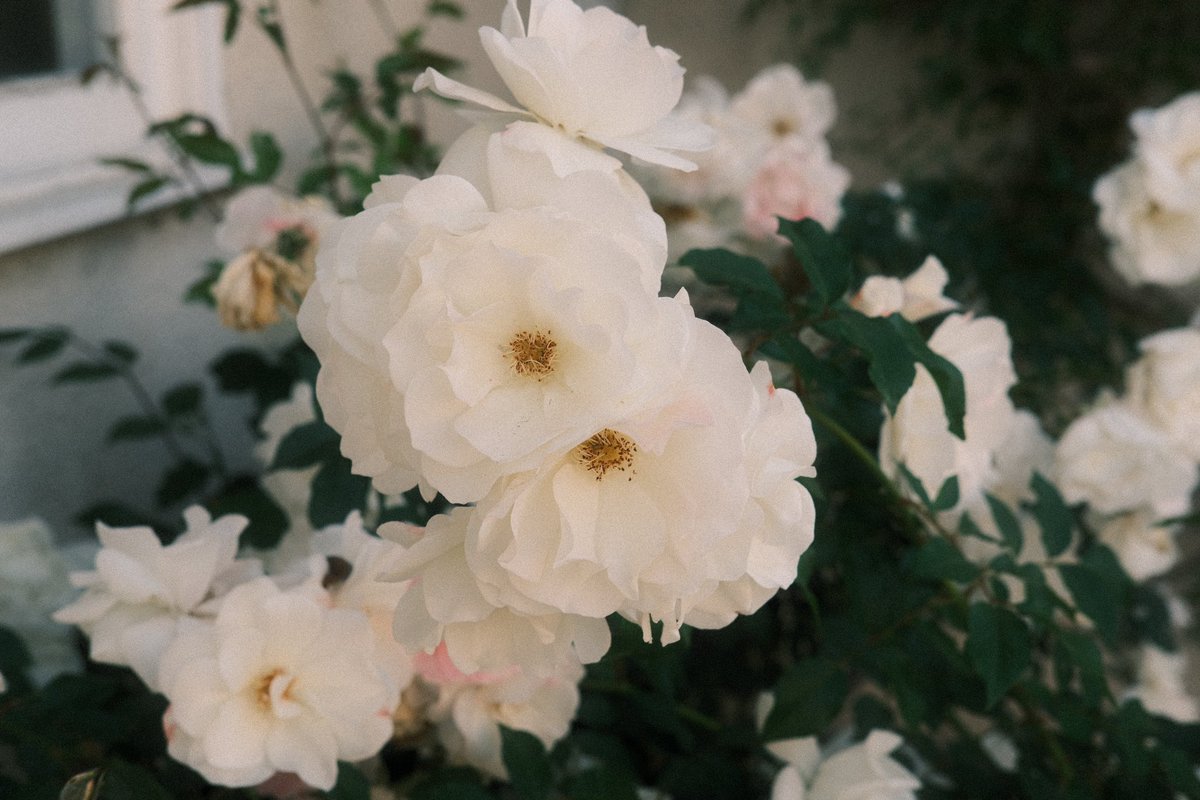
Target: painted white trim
x: 53, y: 130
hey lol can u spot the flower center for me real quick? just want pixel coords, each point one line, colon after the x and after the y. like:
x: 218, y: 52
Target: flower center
x: 532, y: 353
x: 606, y: 451
x: 274, y: 693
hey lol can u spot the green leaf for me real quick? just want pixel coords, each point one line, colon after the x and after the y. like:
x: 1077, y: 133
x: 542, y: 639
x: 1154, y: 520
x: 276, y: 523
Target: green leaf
x: 946, y: 376
x: 351, y: 784
x: 528, y: 765
x: 891, y: 364
x: 807, y: 698
x: 914, y: 483
x: 15, y: 660
x: 1040, y: 600
x: 999, y: 647
x: 444, y: 8
x: 245, y: 496
x: 201, y: 290
x: 821, y: 257
x: 84, y: 786
x: 13, y: 334
x: 602, y: 783
x: 123, y: 781
x: 114, y: 515
x: 182, y: 481
x: 268, y: 20
x: 82, y: 371
x: 1099, y: 587
x: 210, y: 149
x: 937, y: 559
x: 306, y: 445
x: 183, y: 400
x: 267, y: 158
x: 136, y: 427
x: 1052, y: 514
x: 1077, y: 651
x: 131, y: 164
x: 947, y: 496
x: 761, y: 303
x: 336, y: 492
x: 144, y: 189
x: 1007, y: 523
x: 45, y: 345
x: 121, y: 351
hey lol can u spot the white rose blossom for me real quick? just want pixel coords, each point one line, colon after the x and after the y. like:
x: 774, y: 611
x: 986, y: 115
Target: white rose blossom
x: 917, y: 297
x: 650, y: 517
x: 1116, y: 460
x: 278, y: 682
x: 433, y: 317
x: 797, y: 179
x: 1165, y: 385
x: 1144, y: 548
x: 1161, y: 685
x: 780, y: 104
x: 1168, y: 145
x: 256, y: 216
x: 447, y: 607
x: 592, y: 74
x: 468, y: 710
x: 918, y: 435
x: 863, y: 770
x: 141, y: 590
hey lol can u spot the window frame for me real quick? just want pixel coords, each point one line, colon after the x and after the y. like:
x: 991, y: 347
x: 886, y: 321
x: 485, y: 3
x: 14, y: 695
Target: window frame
x: 54, y: 130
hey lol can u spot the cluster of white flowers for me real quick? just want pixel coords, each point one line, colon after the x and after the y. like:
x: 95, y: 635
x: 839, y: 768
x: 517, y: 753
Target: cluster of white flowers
x: 1150, y: 205
x: 1134, y: 458
x: 272, y: 239
x: 771, y: 160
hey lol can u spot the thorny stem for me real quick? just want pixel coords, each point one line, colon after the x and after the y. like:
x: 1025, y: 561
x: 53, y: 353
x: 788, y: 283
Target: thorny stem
x: 328, y: 146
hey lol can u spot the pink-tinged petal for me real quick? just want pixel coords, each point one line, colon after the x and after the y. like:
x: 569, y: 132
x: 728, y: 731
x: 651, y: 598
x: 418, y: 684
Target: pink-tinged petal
x: 453, y: 90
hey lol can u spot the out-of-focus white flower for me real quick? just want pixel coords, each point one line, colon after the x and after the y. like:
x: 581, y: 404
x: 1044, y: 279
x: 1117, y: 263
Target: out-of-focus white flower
x: 469, y: 709
x: 434, y: 318
x: 592, y: 74
x: 1150, y: 243
x: 140, y: 590
x: 34, y: 584
x: 796, y: 179
x: 277, y: 682
x: 1143, y: 548
x: 446, y: 606
x: 1165, y: 385
x: 778, y: 104
x: 1160, y: 686
x: 256, y: 217
x: 645, y: 517
x: 916, y: 297
x: 1168, y: 146
x: 252, y: 288
x: 1116, y: 460
x: 290, y: 488
x: 864, y: 770
x: 918, y: 435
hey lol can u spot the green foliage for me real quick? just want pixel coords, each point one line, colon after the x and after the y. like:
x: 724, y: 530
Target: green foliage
x: 527, y: 763
x: 999, y: 646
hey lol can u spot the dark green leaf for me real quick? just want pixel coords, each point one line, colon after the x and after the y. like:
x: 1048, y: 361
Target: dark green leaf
x: 761, y: 304
x: 122, y: 351
x: 267, y: 157
x: 114, y: 515
x: 136, y: 428
x: 351, y: 784
x: 444, y: 8
x: 1099, y: 588
x: 891, y: 364
x: 85, y: 371
x: 268, y: 20
x: 1040, y: 600
x: 947, y: 496
x: 45, y: 344
x: 915, y: 485
x: 145, y: 189
x: 244, y: 496
x: 335, y: 493
x: 124, y: 781
x: 233, y: 11
x: 306, y: 445
x: 182, y: 481
x: 998, y: 646
x: 1052, y: 514
x: 602, y: 783
x: 131, y: 164
x: 807, y: 698
x: 1078, y: 651
x: 210, y: 149
x: 528, y: 766
x: 183, y: 400
x: 821, y: 256
x: 14, y: 660
x: 937, y: 559
x: 451, y: 783
x: 201, y: 290
x: 1007, y: 523
x: 13, y: 334
x: 946, y: 376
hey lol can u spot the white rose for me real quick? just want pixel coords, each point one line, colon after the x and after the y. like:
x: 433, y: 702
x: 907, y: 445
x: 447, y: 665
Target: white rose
x: 290, y: 488
x: 592, y: 74
x: 141, y: 590
x: 434, y: 318
x: 864, y: 770
x: 1150, y: 243
x: 1161, y: 685
x: 915, y: 298
x: 277, y: 683
x: 918, y: 435
x: 256, y: 216
x: 1144, y: 548
x: 469, y: 709
x: 1168, y: 144
x: 1116, y: 460
x: 778, y: 104
x: 33, y: 584
x: 1165, y: 384
x: 796, y: 179
x: 446, y: 606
